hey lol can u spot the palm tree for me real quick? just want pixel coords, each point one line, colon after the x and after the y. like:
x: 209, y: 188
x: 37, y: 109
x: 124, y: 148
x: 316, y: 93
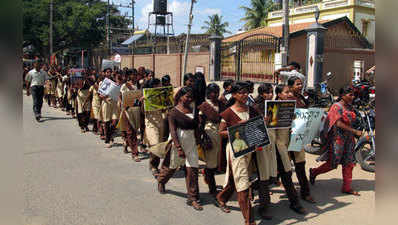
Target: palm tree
x: 215, y: 25
x: 256, y: 15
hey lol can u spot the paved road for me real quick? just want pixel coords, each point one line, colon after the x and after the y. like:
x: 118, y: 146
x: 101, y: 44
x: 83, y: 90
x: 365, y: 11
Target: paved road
x: 71, y: 179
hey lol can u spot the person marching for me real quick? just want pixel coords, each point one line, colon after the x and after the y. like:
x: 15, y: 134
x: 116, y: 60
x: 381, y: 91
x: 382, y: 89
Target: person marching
x: 60, y: 87
x: 266, y: 159
x: 106, y: 112
x: 160, y: 130
x: 130, y: 116
x: 237, y: 175
x: 296, y: 86
x: 35, y: 80
x: 209, y: 112
x: 95, y: 105
x: 282, y: 137
x: 184, y: 134
x: 338, y: 138
x: 83, y: 106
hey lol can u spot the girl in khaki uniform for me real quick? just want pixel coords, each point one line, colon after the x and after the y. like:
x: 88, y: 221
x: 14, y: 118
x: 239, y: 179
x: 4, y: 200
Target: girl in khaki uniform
x: 237, y: 175
x: 83, y: 106
x: 296, y: 85
x: 209, y: 112
x: 106, y: 113
x: 266, y: 159
x: 129, y: 122
x: 95, y: 106
x: 283, y: 161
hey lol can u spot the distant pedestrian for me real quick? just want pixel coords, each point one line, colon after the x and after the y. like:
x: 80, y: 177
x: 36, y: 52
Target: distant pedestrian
x: 35, y: 80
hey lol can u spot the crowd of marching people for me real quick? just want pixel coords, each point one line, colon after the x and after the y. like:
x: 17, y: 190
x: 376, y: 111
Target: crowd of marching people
x: 173, y: 138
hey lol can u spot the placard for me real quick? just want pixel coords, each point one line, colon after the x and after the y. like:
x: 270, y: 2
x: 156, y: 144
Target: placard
x: 109, y: 88
x: 281, y: 113
x: 158, y: 98
x: 129, y: 97
x: 76, y: 78
x: 246, y: 137
x: 305, y: 127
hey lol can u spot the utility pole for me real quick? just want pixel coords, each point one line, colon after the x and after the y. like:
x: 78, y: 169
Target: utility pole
x: 50, y: 41
x: 132, y: 14
x: 285, y: 49
x: 108, y: 30
x: 187, y: 40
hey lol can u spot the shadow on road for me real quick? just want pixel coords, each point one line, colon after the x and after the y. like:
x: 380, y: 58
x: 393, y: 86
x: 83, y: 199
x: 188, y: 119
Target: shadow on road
x: 48, y: 118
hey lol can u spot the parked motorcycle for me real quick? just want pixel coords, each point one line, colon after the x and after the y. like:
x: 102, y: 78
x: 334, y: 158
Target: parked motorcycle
x: 324, y: 98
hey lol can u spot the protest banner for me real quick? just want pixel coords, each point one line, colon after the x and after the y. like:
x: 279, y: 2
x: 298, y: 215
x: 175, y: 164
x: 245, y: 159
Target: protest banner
x: 76, y: 77
x: 129, y: 98
x: 280, y: 112
x: 158, y: 98
x: 106, y: 63
x: 246, y: 137
x: 109, y: 88
x: 305, y: 127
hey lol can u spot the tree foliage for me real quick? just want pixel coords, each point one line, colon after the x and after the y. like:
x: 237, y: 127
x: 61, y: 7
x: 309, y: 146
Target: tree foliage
x: 256, y: 14
x: 76, y: 23
x: 215, y: 25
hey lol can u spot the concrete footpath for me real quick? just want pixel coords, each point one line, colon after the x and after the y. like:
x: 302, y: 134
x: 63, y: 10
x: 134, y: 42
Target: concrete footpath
x: 72, y: 179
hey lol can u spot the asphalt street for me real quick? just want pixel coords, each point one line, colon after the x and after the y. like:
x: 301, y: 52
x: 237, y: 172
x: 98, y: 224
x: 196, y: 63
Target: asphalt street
x: 72, y: 179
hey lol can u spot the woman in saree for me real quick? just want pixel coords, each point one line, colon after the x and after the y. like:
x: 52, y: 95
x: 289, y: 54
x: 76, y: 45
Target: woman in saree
x: 338, y: 141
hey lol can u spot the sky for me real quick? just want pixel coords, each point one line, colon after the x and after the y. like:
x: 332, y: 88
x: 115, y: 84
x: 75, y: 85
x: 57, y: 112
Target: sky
x: 202, y: 9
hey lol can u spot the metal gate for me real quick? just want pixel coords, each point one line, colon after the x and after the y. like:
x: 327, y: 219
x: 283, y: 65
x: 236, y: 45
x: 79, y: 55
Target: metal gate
x: 251, y: 58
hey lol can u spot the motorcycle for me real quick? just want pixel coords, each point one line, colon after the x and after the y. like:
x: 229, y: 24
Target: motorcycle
x: 323, y: 99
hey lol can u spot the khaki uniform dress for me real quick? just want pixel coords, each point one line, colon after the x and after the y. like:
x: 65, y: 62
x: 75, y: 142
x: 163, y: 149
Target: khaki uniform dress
x: 154, y: 127
x: 60, y: 89
x: 282, y: 143
x: 266, y: 159
x: 211, y: 130
x: 96, y: 103
x: 83, y: 101
x: 131, y: 115
x: 239, y: 165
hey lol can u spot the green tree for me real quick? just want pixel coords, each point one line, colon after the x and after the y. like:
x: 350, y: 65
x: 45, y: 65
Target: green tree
x: 256, y: 14
x: 76, y: 23
x: 215, y: 25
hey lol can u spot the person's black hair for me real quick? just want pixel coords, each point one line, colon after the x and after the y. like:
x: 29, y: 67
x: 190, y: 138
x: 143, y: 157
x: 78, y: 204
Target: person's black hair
x: 165, y: 79
x: 295, y: 65
x: 129, y: 72
x: 291, y: 80
x: 212, y: 88
x: 183, y: 91
x: 250, y: 84
x: 152, y: 83
x: 227, y: 83
x: 343, y: 91
x: 264, y: 88
x: 279, y: 89
x: 199, y: 88
x: 239, y: 86
x: 188, y: 76
x: 107, y: 70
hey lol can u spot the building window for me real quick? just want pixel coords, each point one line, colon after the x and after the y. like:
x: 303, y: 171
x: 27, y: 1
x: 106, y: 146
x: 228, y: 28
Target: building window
x: 365, y: 24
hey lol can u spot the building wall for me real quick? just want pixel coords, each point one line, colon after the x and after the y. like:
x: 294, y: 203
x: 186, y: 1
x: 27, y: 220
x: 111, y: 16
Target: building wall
x: 169, y: 64
x: 341, y: 62
x: 338, y: 58
x: 142, y: 60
